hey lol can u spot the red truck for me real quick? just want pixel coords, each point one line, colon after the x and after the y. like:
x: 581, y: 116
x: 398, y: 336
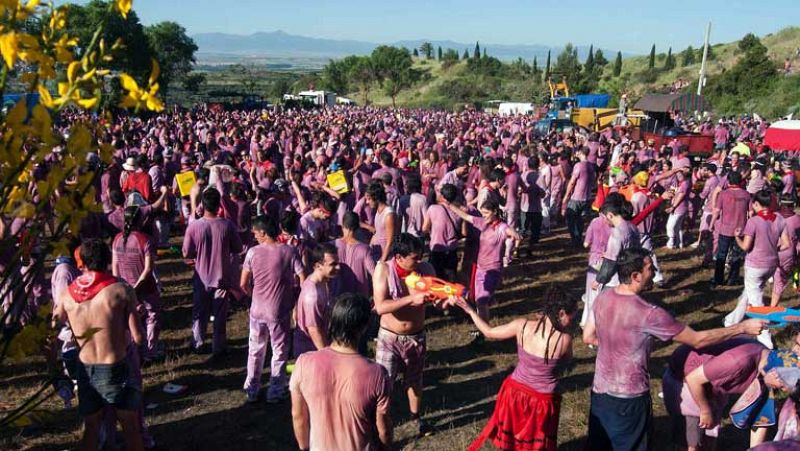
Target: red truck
x: 700, y: 146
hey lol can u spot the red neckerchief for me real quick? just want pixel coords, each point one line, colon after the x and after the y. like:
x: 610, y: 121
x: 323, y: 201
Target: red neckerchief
x: 766, y: 214
x: 511, y: 171
x: 89, y: 284
x: 401, y: 273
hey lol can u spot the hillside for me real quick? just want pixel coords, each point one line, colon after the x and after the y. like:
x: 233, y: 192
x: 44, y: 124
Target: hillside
x: 440, y: 87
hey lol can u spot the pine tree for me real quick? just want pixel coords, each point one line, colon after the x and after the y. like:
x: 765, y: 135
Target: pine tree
x: 618, y: 64
x: 652, y: 63
x: 547, y: 67
x: 535, y: 66
x: 439, y: 52
x: 477, y: 53
x: 484, y: 52
x: 600, y: 59
x: 589, y: 65
x: 688, y: 56
x: 669, y: 63
x: 416, y: 53
x: 466, y: 55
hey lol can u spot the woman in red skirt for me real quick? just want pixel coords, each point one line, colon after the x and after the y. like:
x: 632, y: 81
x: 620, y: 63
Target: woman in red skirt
x: 528, y: 404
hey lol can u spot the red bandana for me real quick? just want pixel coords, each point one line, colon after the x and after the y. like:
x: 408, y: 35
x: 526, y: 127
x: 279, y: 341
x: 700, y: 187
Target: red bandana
x: 401, y: 273
x: 86, y: 286
x: 766, y: 214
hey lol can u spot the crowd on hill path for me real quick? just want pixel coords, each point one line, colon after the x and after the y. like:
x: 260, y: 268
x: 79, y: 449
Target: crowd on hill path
x: 315, y: 219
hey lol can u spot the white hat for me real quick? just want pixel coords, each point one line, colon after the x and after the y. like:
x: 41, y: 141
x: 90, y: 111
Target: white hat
x: 130, y: 164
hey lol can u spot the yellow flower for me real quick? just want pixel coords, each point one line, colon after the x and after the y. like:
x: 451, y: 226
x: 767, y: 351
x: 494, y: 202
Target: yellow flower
x: 62, y: 47
x: 138, y: 98
x: 123, y: 7
x: 9, y: 47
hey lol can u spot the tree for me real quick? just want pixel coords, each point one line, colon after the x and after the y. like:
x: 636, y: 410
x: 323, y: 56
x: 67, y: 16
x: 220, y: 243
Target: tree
x: 439, y: 53
x: 600, y: 59
x: 449, y: 58
x: 535, y: 66
x: 426, y: 49
x: 652, y: 62
x: 393, y: 67
x: 416, y: 53
x: 669, y: 63
x: 751, y: 77
x: 248, y: 79
x: 589, y: 64
x: 477, y: 53
x: 194, y: 81
x: 618, y: 64
x: 362, y: 72
x: 567, y: 65
x: 335, y: 77
x: 174, y: 50
x: 688, y: 57
x: 134, y: 58
x: 466, y: 55
x: 484, y: 52
x: 547, y: 68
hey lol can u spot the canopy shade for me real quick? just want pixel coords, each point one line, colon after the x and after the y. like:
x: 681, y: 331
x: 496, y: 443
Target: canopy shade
x: 663, y: 103
x: 783, y: 135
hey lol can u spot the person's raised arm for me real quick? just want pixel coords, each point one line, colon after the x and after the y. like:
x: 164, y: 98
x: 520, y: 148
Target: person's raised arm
x: 705, y: 338
x: 301, y: 200
x: 503, y: 332
x: 383, y: 302
x: 461, y: 213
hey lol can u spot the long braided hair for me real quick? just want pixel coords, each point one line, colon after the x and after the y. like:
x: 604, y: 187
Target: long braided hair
x: 132, y: 214
x: 556, y: 300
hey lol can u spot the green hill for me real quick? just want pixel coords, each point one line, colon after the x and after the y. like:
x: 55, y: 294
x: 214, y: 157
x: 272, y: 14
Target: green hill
x: 458, y: 84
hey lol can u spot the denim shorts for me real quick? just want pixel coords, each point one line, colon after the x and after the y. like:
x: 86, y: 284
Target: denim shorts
x: 101, y: 385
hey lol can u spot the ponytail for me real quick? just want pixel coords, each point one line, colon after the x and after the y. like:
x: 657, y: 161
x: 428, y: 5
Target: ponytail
x: 131, y: 218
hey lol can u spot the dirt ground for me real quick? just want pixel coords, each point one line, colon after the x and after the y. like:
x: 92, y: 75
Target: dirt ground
x: 461, y: 379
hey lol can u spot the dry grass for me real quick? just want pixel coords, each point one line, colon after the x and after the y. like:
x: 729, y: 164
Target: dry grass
x: 461, y: 379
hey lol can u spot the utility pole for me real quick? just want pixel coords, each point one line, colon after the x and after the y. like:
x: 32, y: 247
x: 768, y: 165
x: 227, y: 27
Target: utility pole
x: 702, y: 81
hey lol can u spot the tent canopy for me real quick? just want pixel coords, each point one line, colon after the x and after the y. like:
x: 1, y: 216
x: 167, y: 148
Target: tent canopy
x: 663, y: 103
x: 783, y: 135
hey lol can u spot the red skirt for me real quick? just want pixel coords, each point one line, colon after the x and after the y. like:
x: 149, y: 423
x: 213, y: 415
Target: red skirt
x: 523, y: 419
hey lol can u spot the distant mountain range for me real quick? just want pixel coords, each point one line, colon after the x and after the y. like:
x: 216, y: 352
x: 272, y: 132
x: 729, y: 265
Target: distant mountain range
x: 218, y: 47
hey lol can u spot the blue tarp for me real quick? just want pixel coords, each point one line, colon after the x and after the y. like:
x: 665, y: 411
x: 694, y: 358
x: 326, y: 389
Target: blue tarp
x: 592, y: 100
x: 31, y: 99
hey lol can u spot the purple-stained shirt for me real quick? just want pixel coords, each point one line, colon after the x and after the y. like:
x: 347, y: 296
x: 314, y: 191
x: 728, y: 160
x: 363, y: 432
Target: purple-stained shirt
x: 682, y: 206
x: 490, y: 250
x: 213, y: 243
x: 356, y: 267
x: 622, y: 237
x: 531, y: 192
x: 379, y: 239
x: 412, y: 209
x: 597, y: 235
x: 709, y: 186
x: 130, y: 255
x: 312, y: 229
x: 730, y: 366
x: 583, y: 176
x: 625, y: 325
x: 313, y: 310
x: 512, y: 186
x: 733, y: 204
x: 273, y: 267
x: 766, y: 241
x: 792, y: 222
x: 788, y: 183
x: 445, y: 227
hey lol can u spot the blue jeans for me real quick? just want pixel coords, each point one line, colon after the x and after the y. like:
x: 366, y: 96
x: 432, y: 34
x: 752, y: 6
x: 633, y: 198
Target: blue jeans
x: 725, y: 245
x: 621, y: 424
x: 576, y: 209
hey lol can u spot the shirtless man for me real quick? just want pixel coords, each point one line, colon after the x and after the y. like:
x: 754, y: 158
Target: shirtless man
x: 102, y: 313
x: 401, y: 340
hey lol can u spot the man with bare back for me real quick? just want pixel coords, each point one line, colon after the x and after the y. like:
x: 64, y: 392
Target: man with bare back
x: 101, y: 311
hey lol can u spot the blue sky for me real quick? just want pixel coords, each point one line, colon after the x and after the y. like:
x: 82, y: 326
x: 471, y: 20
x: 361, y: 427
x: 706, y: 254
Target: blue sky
x: 618, y: 25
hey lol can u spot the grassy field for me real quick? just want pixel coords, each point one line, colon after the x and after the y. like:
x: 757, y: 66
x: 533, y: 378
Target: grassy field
x: 461, y: 379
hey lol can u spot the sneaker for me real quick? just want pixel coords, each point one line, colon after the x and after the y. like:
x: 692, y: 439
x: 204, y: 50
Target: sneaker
x: 252, y: 396
x: 424, y: 429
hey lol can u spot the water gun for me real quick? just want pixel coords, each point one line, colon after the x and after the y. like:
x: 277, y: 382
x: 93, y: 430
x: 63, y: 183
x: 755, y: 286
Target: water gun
x: 435, y: 287
x: 779, y: 316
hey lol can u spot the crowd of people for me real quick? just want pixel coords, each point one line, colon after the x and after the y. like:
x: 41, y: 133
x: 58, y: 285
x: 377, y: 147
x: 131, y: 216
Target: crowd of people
x: 313, y: 219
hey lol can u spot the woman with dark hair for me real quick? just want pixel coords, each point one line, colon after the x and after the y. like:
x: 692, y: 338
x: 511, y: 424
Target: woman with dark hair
x: 133, y: 260
x: 487, y: 272
x: 528, y: 404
